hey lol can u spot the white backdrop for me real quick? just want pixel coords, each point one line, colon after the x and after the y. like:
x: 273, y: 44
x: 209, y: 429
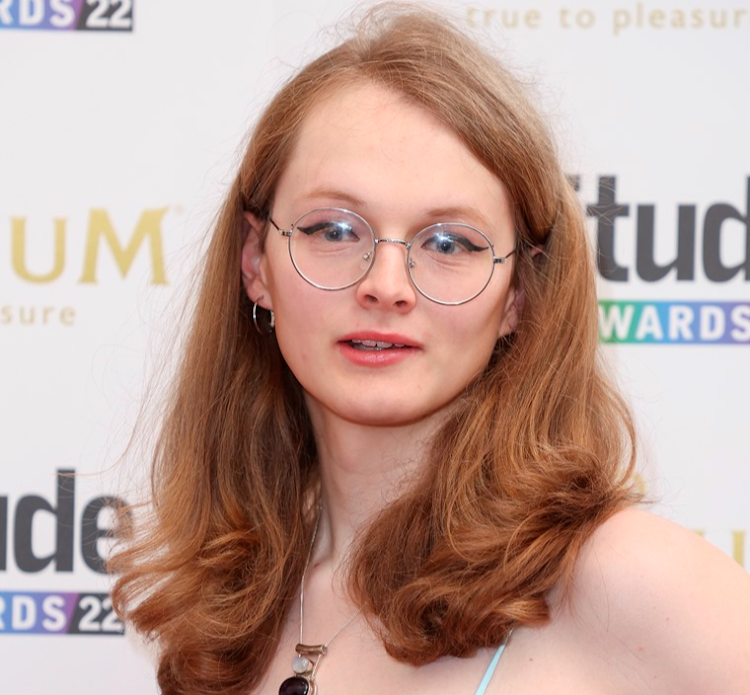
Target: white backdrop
x: 117, y: 141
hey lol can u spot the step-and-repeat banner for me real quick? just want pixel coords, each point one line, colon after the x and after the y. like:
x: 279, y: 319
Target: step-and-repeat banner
x: 121, y: 122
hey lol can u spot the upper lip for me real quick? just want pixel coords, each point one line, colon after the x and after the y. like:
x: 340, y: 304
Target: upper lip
x: 391, y: 338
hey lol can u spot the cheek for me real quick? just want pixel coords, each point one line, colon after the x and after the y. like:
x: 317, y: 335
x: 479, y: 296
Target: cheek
x: 304, y: 319
x: 291, y: 306
x: 294, y: 324
x: 482, y: 317
x: 481, y: 333
x: 468, y: 336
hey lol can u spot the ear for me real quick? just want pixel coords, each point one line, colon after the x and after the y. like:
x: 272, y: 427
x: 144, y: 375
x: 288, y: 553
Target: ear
x: 253, y: 261
x: 512, y: 313
x: 515, y: 301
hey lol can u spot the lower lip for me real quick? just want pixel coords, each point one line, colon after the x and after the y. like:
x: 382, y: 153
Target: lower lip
x: 375, y: 358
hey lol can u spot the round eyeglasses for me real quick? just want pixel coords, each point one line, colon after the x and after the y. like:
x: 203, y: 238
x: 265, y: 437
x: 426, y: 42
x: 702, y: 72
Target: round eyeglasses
x: 449, y: 263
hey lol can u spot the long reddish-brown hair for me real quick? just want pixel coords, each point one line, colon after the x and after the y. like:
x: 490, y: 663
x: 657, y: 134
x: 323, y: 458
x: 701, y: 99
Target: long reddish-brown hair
x: 537, y: 453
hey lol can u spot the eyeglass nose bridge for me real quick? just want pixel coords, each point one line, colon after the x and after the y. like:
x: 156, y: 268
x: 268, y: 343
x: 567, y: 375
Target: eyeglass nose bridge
x: 403, y: 242
x: 376, y: 240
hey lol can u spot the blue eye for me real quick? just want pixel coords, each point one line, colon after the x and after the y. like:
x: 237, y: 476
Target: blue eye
x: 449, y: 243
x: 330, y: 230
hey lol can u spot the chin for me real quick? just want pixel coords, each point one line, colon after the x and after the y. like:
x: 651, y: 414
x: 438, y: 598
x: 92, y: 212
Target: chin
x: 389, y: 416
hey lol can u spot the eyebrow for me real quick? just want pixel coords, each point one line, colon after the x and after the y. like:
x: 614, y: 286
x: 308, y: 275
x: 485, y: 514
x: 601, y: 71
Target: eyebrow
x: 453, y: 213
x: 448, y: 213
x: 335, y: 194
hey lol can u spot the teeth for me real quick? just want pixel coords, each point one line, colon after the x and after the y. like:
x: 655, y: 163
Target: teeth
x: 376, y: 344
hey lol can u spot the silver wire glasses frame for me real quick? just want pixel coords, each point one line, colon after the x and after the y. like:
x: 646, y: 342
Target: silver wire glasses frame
x: 449, y: 263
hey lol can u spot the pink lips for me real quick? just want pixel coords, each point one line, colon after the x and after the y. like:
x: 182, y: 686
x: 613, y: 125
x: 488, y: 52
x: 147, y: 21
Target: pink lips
x: 377, y: 349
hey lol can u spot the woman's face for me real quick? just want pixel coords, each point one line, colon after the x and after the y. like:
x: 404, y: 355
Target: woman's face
x: 367, y: 149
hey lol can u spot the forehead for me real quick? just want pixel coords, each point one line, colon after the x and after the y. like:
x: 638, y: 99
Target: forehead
x: 377, y: 148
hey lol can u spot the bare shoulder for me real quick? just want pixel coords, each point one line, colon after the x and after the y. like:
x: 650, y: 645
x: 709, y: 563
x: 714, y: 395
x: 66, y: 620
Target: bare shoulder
x: 663, y: 606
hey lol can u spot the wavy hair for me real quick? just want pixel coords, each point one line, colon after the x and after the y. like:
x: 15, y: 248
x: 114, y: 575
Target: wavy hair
x: 537, y: 453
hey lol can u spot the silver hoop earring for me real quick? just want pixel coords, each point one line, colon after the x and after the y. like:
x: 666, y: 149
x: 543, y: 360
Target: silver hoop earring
x: 271, y: 321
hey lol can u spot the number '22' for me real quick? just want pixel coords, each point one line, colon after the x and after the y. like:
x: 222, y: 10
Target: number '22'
x: 121, y: 18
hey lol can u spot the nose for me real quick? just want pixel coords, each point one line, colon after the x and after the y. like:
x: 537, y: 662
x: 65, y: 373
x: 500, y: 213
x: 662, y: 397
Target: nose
x: 387, y: 284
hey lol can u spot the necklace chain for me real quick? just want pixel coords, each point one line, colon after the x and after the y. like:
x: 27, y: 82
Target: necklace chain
x: 302, y: 590
x: 309, y: 656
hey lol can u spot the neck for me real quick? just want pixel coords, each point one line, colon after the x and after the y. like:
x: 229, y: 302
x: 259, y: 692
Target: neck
x: 362, y: 469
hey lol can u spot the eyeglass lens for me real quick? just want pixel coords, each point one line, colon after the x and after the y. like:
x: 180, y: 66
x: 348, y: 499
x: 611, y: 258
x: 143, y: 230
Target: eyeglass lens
x: 334, y: 248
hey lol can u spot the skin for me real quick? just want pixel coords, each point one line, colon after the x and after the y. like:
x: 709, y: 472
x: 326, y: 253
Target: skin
x: 368, y: 150
x: 651, y: 609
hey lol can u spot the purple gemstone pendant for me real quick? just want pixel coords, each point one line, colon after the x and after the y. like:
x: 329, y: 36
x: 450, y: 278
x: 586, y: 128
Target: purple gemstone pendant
x: 297, y: 685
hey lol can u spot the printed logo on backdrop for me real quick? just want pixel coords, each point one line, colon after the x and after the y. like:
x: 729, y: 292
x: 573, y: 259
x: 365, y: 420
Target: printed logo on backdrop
x: 710, y: 245
x: 78, y: 543
x: 104, y: 242
x: 619, y: 21
x: 706, y: 239
x: 67, y: 15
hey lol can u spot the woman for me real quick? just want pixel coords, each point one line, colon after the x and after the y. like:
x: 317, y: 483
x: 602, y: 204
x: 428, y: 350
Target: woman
x: 390, y: 443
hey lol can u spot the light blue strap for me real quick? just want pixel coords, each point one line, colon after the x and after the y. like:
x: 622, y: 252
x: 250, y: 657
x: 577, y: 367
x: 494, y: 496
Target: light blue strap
x: 490, y: 670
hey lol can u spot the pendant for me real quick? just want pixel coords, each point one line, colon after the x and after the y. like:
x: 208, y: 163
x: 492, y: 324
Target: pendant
x: 303, y: 682
x: 297, y: 685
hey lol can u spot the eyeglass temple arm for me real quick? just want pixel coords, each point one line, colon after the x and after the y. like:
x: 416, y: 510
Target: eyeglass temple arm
x: 502, y: 259
x: 283, y: 232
